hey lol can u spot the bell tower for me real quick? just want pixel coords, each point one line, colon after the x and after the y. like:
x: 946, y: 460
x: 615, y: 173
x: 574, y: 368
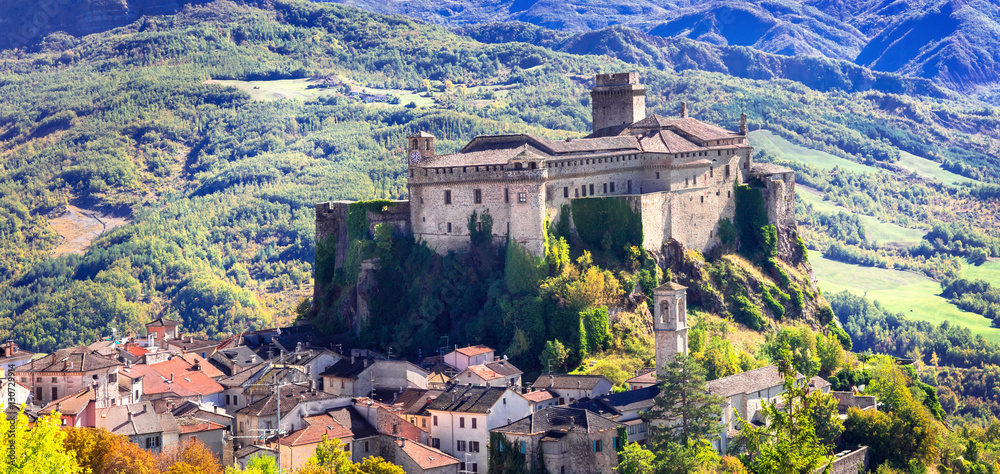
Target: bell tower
x: 670, y: 322
x: 617, y: 100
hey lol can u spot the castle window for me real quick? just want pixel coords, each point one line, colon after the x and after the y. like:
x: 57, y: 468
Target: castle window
x: 729, y: 194
x: 591, y: 190
x: 703, y: 199
x: 629, y: 184
x: 477, y: 195
x: 565, y: 191
x: 583, y: 190
x: 605, y: 188
x: 657, y: 175
x: 449, y: 227
x: 532, y: 165
x: 576, y: 193
x: 711, y: 172
x: 612, y: 187
x: 447, y: 196
x: 727, y: 171
x: 463, y: 169
x: 451, y: 170
x: 506, y: 195
x: 685, y: 182
x: 522, y: 197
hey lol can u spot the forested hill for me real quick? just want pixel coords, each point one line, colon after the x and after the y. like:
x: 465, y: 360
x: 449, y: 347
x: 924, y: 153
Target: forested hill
x: 219, y: 182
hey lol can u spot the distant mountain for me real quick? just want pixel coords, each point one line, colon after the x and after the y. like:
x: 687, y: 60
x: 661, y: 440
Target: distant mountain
x: 955, y: 43
x: 681, y: 54
x: 25, y: 23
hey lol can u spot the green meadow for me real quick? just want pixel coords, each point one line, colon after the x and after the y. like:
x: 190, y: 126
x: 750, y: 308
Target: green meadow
x: 875, y: 229
x: 931, y: 169
x: 784, y: 149
x: 914, y: 295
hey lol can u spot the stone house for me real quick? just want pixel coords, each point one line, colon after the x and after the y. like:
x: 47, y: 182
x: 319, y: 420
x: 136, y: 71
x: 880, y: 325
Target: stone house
x: 76, y: 409
x: 569, y: 440
x: 497, y: 373
x: 212, y: 434
x: 361, y: 377
x: 161, y: 330
x: 626, y: 408
x: 745, y: 393
x: 297, y: 401
x: 69, y: 371
x: 542, y: 398
x: 462, y: 416
x: 412, y: 404
x: 137, y: 421
x: 573, y: 387
x: 644, y: 378
x: 176, y: 380
x: 191, y: 345
x: 360, y: 439
x: 466, y: 356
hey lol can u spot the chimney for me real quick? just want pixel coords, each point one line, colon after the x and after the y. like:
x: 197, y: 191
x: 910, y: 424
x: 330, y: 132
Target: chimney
x: 402, y: 442
x: 684, y: 109
x: 366, y: 362
x: 352, y: 359
x: 298, y: 347
x: 743, y: 124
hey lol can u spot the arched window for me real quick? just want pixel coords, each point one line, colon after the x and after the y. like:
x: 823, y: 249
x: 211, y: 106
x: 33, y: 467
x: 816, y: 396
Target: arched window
x: 664, y: 312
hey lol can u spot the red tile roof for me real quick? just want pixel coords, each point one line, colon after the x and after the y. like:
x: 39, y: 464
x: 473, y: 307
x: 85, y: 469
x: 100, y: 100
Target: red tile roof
x: 72, y: 404
x: 539, y: 396
x: 187, y: 381
x: 137, y: 351
x: 484, y: 372
x: 195, y: 425
x: 318, y: 426
x: 474, y: 350
x: 425, y: 456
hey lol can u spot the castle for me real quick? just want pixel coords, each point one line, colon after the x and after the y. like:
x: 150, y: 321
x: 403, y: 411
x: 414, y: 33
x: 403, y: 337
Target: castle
x: 677, y: 173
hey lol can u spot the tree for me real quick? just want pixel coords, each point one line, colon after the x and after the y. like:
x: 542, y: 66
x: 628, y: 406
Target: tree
x: 330, y: 454
x: 189, y: 457
x: 39, y: 450
x: 684, y: 406
x: 553, y: 355
x: 787, y: 443
x: 377, y: 465
x: 258, y: 464
x: 635, y: 459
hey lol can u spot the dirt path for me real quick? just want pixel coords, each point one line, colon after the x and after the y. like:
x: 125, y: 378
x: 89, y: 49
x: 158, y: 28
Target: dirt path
x: 78, y: 227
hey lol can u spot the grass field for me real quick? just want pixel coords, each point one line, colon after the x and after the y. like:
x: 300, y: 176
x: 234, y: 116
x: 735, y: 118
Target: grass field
x: 784, y: 149
x: 931, y: 169
x: 988, y: 271
x: 914, y: 295
x: 875, y: 229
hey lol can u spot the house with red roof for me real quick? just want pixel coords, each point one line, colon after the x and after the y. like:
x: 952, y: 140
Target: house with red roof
x: 76, y: 409
x: 418, y: 458
x: 466, y: 356
x: 212, y: 434
x: 178, y: 380
x: 497, y: 373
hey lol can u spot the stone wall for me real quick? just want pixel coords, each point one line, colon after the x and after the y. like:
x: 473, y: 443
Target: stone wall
x: 331, y: 220
x: 851, y: 463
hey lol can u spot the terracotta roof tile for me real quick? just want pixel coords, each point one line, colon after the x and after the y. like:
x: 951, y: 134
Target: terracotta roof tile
x: 474, y: 350
x: 425, y: 456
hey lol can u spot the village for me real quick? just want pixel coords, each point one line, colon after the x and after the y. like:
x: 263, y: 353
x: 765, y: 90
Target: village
x: 280, y: 392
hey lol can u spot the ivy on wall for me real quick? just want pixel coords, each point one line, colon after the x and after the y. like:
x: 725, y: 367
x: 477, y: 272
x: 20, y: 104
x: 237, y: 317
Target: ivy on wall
x: 607, y: 223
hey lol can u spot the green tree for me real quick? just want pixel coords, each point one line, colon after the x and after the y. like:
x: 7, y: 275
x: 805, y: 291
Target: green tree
x: 553, y: 355
x: 38, y: 450
x: 787, y: 443
x: 684, y: 414
x: 257, y: 464
x: 635, y: 459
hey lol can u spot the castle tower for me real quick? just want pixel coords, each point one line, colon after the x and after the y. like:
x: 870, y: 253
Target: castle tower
x: 419, y: 146
x: 669, y: 322
x: 617, y: 99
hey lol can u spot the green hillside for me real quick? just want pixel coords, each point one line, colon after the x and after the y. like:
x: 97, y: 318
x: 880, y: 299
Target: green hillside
x: 219, y: 182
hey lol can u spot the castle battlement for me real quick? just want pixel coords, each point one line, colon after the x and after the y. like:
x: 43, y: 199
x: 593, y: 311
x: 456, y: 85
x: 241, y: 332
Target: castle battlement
x: 678, y: 173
